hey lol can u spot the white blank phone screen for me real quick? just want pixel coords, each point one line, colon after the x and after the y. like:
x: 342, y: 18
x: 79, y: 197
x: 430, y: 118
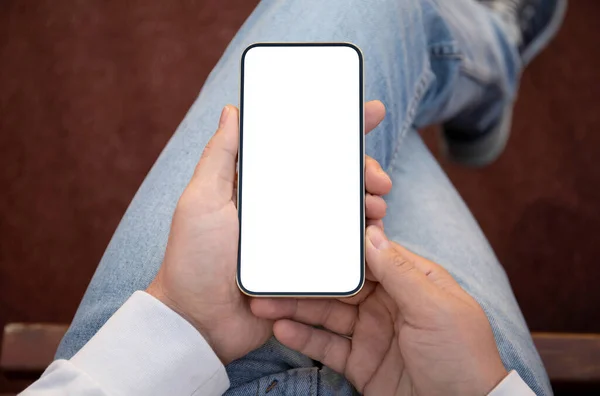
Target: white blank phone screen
x: 301, y: 188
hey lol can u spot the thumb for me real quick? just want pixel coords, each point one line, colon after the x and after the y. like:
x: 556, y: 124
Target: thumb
x: 216, y: 167
x: 397, y: 273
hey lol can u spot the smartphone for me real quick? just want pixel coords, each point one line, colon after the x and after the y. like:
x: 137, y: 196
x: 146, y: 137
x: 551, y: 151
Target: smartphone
x: 301, y: 170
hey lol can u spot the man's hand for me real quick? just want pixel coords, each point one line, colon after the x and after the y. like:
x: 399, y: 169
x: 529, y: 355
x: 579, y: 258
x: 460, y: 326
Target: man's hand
x: 197, y: 277
x: 411, y: 330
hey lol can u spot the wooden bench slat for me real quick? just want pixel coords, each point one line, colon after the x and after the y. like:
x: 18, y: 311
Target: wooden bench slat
x: 567, y: 357
x: 29, y: 347
x: 570, y: 357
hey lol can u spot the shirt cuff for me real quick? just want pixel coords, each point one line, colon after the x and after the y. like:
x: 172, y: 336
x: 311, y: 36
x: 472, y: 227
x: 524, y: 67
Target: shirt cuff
x: 146, y: 348
x: 512, y: 385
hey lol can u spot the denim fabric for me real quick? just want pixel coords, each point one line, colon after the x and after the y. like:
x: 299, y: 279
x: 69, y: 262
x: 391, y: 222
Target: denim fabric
x: 428, y: 61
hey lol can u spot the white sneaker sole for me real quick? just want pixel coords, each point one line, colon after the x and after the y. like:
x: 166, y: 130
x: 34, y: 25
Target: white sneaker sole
x: 544, y: 38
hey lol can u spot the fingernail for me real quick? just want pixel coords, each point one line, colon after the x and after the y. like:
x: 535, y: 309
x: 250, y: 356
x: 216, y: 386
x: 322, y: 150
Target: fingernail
x: 224, y: 115
x: 377, y: 238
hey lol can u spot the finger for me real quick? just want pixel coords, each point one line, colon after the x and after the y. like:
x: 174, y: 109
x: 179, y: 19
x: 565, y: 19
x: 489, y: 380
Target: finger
x: 405, y: 283
x: 374, y: 114
x: 216, y: 167
x: 330, y: 349
x: 376, y: 180
x: 376, y: 223
x: 367, y: 289
x: 375, y: 207
x: 329, y: 313
x: 369, y: 275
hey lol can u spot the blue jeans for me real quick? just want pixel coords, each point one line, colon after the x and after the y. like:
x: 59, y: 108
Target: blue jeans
x: 428, y: 61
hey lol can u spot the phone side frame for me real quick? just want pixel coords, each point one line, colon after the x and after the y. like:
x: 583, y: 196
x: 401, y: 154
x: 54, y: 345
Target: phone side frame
x: 362, y: 174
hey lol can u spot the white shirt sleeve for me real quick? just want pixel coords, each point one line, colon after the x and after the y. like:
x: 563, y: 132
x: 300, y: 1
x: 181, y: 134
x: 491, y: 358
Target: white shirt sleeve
x: 145, y: 348
x: 512, y: 385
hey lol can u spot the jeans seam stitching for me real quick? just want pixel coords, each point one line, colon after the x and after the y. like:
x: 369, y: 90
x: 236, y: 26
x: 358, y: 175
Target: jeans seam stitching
x: 424, y: 80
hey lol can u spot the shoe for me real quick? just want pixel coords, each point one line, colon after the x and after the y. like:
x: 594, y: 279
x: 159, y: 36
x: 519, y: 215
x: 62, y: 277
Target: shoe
x: 536, y: 22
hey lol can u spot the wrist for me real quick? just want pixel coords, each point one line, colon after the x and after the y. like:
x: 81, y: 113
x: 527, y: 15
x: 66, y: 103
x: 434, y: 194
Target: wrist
x: 156, y: 290
x: 492, y: 377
